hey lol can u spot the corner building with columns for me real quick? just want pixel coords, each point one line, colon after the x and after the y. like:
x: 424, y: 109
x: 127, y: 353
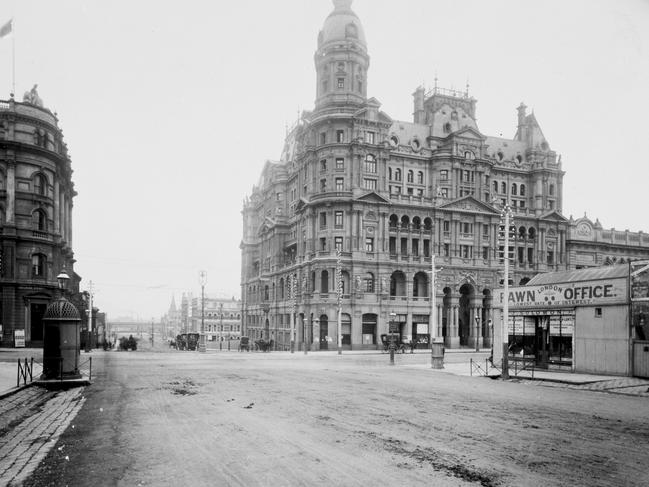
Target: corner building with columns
x: 382, y: 199
x: 36, y: 195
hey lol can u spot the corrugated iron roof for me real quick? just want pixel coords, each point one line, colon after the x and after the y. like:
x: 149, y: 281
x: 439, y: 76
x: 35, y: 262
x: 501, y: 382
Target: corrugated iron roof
x: 590, y: 274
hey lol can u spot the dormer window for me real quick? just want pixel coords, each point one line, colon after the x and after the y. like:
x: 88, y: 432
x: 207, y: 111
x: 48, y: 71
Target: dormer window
x: 447, y: 128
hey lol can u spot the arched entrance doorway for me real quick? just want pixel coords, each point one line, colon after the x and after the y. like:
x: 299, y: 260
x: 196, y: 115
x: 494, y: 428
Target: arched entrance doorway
x: 467, y: 292
x: 324, y: 332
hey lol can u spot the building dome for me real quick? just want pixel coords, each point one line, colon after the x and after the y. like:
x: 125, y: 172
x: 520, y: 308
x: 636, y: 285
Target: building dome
x: 342, y: 25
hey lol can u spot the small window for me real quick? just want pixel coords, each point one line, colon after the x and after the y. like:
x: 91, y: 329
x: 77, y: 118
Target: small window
x: 338, y: 219
x: 522, y: 191
x: 443, y: 175
x: 340, y: 184
x: 340, y: 163
x: 500, y: 155
x: 323, y: 220
x: 369, y: 137
x: 369, y: 244
x: 447, y: 226
x: 514, y: 189
x: 447, y: 128
x: 468, y: 155
x: 323, y: 138
x: 338, y: 243
x: 503, y: 187
x: 394, y: 141
x: 341, y: 83
x: 598, y: 312
x: 397, y: 174
x: 411, y: 176
x: 323, y: 185
x: 323, y: 165
x: 495, y: 186
x: 420, y: 177
x: 551, y: 190
x: 340, y: 135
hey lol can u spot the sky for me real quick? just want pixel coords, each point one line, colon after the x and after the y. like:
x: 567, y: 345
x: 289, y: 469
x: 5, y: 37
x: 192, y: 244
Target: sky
x: 170, y: 110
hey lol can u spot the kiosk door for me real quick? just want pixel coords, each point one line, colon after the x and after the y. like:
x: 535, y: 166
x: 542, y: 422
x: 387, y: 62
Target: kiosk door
x: 541, y: 341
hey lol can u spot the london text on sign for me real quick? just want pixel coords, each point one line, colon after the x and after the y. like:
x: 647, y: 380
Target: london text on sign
x: 584, y: 293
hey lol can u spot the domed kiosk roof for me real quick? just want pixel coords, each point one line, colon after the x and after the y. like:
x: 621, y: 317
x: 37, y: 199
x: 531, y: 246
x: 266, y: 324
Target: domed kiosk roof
x: 62, y: 309
x: 342, y: 24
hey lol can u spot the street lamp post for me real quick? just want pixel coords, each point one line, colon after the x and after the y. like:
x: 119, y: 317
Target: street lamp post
x: 339, y: 295
x: 304, y: 329
x: 506, y: 214
x: 293, y: 278
x: 477, y: 333
x: 391, y: 344
x: 88, y: 344
x: 202, y: 279
x: 436, y: 343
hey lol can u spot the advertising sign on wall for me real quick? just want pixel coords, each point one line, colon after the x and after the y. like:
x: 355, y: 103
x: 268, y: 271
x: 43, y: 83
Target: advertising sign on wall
x: 582, y: 293
x: 19, y: 338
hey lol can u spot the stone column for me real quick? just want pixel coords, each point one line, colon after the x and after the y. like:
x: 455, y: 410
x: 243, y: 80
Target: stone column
x: 11, y: 192
x: 453, y: 338
x: 440, y: 314
x: 57, y: 208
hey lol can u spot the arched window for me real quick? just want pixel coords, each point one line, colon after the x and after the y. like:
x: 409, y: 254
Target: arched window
x: 514, y: 189
x: 551, y: 190
x: 390, y: 173
x: 522, y: 192
x: 394, y: 221
x: 468, y: 155
x: 420, y: 177
x: 447, y: 128
x: 503, y: 187
x: 531, y: 233
x: 38, y: 265
x: 39, y: 219
x: 495, y: 186
x: 411, y: 176
x: 281, y: 288
x: 40, y: 185
x: 397, y: 174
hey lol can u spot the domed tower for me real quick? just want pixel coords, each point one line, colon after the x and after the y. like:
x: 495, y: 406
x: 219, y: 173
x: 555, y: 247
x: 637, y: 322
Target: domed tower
x: 341, y: 60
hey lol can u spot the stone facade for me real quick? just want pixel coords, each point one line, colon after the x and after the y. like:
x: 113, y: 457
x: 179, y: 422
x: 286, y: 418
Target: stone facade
x: 222, y: 318
x: 376, y: 201
x: 36, y: 198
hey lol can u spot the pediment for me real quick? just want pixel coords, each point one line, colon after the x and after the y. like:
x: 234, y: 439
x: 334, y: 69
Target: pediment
x: 469, y: 133
x: 266, y: 225
x: 373, y: 197
x: 301, y: 204
x: 554, y: 216
x: 469, y: 203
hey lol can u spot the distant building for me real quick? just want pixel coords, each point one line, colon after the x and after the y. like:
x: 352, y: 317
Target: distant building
x: 388, y: 195
x: 222, y: 318
x: 36, y: 199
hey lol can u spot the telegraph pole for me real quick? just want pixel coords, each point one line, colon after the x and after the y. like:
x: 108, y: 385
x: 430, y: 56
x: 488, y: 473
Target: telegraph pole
x: 89, y: 331
x: 339, y: 296
x: 506, y: 214
x: 202, y: 279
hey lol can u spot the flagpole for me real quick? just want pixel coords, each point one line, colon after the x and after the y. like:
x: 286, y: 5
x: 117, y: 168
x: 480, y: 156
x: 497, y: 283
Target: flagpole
x: 13, y: 57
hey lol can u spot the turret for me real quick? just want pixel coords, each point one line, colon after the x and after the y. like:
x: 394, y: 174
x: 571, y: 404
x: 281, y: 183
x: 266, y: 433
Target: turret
x: 341, y: 60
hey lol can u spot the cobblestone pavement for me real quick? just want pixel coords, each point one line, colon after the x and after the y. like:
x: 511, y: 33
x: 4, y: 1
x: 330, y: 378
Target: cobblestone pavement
x: 31, y: 421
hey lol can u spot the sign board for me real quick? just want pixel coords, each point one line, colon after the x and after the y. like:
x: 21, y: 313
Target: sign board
x: 582, y: 293
x: 19, y: 338
x: 422, y: 328
x: 640, y: 280
x: 394, y: 327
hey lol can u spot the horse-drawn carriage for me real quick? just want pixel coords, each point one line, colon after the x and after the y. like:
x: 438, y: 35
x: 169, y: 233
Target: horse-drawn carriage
x: 244, y: 344
x: 187, y: 341
x: 264, y: 345
x: 399, y: 345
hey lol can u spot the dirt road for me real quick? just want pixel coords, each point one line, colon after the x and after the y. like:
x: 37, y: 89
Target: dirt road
x: 247, y: 419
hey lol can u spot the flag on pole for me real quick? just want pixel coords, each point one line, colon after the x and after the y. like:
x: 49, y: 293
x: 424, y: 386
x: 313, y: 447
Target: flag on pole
x: 6, y: 29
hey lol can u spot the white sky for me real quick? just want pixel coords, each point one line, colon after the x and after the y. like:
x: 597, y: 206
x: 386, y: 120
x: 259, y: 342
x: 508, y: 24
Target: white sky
x: 170, y: 109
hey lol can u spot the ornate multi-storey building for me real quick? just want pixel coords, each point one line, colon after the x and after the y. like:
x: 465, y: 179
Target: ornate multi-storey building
x: 359, y: 195
x: 221, y: 318
x: 36, y: 197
